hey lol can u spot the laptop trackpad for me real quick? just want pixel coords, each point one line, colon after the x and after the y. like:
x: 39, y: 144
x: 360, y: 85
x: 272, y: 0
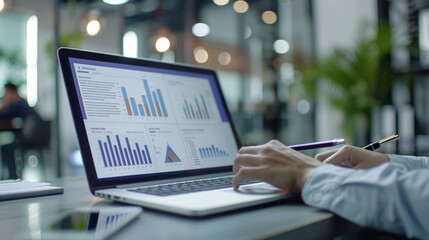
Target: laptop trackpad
x: 263, y: 188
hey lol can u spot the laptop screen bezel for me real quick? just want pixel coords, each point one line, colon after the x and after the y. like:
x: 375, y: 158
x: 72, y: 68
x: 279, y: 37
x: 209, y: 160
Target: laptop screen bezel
x: 66, y: 54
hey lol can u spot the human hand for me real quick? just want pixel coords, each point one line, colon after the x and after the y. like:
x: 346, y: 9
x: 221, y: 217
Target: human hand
x: 275, y: 164
x: 353, y: 157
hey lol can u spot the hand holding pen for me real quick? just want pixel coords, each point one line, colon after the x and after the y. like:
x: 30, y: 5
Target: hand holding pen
x: 356, y: 157
x: 335, y: 142
x: 288, y: 167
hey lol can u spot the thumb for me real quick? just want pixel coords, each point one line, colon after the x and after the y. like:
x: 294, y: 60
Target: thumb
x: 324, y: 155
x: 341, y: 158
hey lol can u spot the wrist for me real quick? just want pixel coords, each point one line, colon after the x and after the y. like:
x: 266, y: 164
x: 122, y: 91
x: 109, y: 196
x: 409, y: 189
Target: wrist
x: 302, y: 178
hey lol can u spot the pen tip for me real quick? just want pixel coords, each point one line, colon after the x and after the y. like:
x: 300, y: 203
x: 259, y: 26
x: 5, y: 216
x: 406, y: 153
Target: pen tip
x: 388, y: 139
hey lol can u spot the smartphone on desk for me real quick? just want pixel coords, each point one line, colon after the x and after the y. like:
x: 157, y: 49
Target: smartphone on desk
x: 91, y: 223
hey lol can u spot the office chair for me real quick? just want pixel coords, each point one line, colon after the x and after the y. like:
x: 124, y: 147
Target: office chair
x: 35, y: 136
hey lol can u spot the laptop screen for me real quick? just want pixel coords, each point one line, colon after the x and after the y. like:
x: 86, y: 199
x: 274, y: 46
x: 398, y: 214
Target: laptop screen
x: 145, y: 120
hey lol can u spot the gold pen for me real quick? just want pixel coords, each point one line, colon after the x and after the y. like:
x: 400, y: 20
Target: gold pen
x: 375, y: 145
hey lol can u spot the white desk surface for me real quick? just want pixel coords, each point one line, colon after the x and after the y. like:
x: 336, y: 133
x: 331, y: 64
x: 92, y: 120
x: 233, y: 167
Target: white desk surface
x: 285, y: 219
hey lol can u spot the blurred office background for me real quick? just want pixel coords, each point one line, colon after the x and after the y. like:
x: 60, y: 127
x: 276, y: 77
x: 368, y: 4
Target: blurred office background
x: 293, y: 70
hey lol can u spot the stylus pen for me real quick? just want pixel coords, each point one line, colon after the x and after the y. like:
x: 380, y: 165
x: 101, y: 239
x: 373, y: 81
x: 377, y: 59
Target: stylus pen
x: 321, y: 144
x: 375, y: 145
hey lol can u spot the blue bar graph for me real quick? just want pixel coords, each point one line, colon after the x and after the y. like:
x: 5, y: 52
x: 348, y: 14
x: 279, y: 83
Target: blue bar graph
x: 126, y: 100
x: 102, y: 153
x: 111, y: 150
x: 120, y: 154
x: 212, y: 152
x: 148, y: 156
x: 151, y: 104
x: 161, y: 100
x: 134, y: 106
x: 141, y: 110
x: 149, y: 97
x: 195, y: 108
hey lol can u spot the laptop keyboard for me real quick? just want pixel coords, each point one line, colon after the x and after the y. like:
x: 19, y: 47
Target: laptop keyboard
x: 189, y: 186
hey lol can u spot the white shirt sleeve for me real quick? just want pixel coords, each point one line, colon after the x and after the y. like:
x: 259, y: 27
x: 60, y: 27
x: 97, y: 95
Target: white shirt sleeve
x: 409, y: 162
x: 386, y: 197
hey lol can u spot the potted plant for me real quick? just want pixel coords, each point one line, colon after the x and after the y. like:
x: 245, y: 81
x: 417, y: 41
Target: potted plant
x: 359, y: 79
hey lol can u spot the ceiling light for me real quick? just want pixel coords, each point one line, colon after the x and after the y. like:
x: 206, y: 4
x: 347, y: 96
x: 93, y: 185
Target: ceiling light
x: 162, y: 44
x: 221, y: 2
x: 224, y: 58
x: 31, y: 59
x: 200, y: 29
x: 241, y: 6
x: 281, y: 46
x: 115, y: 2
x: 2, y: 5
x: 93, y: 22
x: 201, y: 55
x: 269, y: 17
x: 93, y: 27
x: 130, y: 44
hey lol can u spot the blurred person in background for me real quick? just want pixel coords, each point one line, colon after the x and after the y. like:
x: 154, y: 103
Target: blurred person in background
x: 13, y: 108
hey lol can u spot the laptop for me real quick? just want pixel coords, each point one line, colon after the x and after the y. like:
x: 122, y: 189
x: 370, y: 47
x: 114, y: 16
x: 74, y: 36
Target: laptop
x: 156, y: 134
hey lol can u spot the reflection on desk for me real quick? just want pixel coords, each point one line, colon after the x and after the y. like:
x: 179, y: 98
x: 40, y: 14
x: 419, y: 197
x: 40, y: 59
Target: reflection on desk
x: 285, y: 219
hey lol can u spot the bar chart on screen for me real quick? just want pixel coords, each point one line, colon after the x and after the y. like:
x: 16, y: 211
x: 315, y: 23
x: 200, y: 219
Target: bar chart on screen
x: 149, y: 104
x: 212, y: 152
x: 119, y: 151
x: 118, y: 94
x: 195, y: 107
x: 208, y: 151
x: 194, y: 101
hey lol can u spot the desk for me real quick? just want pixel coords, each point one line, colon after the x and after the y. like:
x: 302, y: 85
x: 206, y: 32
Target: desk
x: 286, y: 219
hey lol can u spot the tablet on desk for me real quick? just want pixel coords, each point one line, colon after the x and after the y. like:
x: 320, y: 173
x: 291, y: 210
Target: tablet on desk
x: 91, y: 223
x: 17, y: 188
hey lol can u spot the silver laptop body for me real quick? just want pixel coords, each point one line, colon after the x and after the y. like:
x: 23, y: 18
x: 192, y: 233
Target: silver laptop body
x: 142, y: 123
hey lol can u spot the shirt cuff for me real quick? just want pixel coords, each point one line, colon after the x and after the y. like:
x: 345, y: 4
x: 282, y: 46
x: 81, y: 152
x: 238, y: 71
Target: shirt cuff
x: 321, y: 184
x: 409, y: 162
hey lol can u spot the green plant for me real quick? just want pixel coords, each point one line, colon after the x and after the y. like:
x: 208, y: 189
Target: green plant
x: 359, y: 78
